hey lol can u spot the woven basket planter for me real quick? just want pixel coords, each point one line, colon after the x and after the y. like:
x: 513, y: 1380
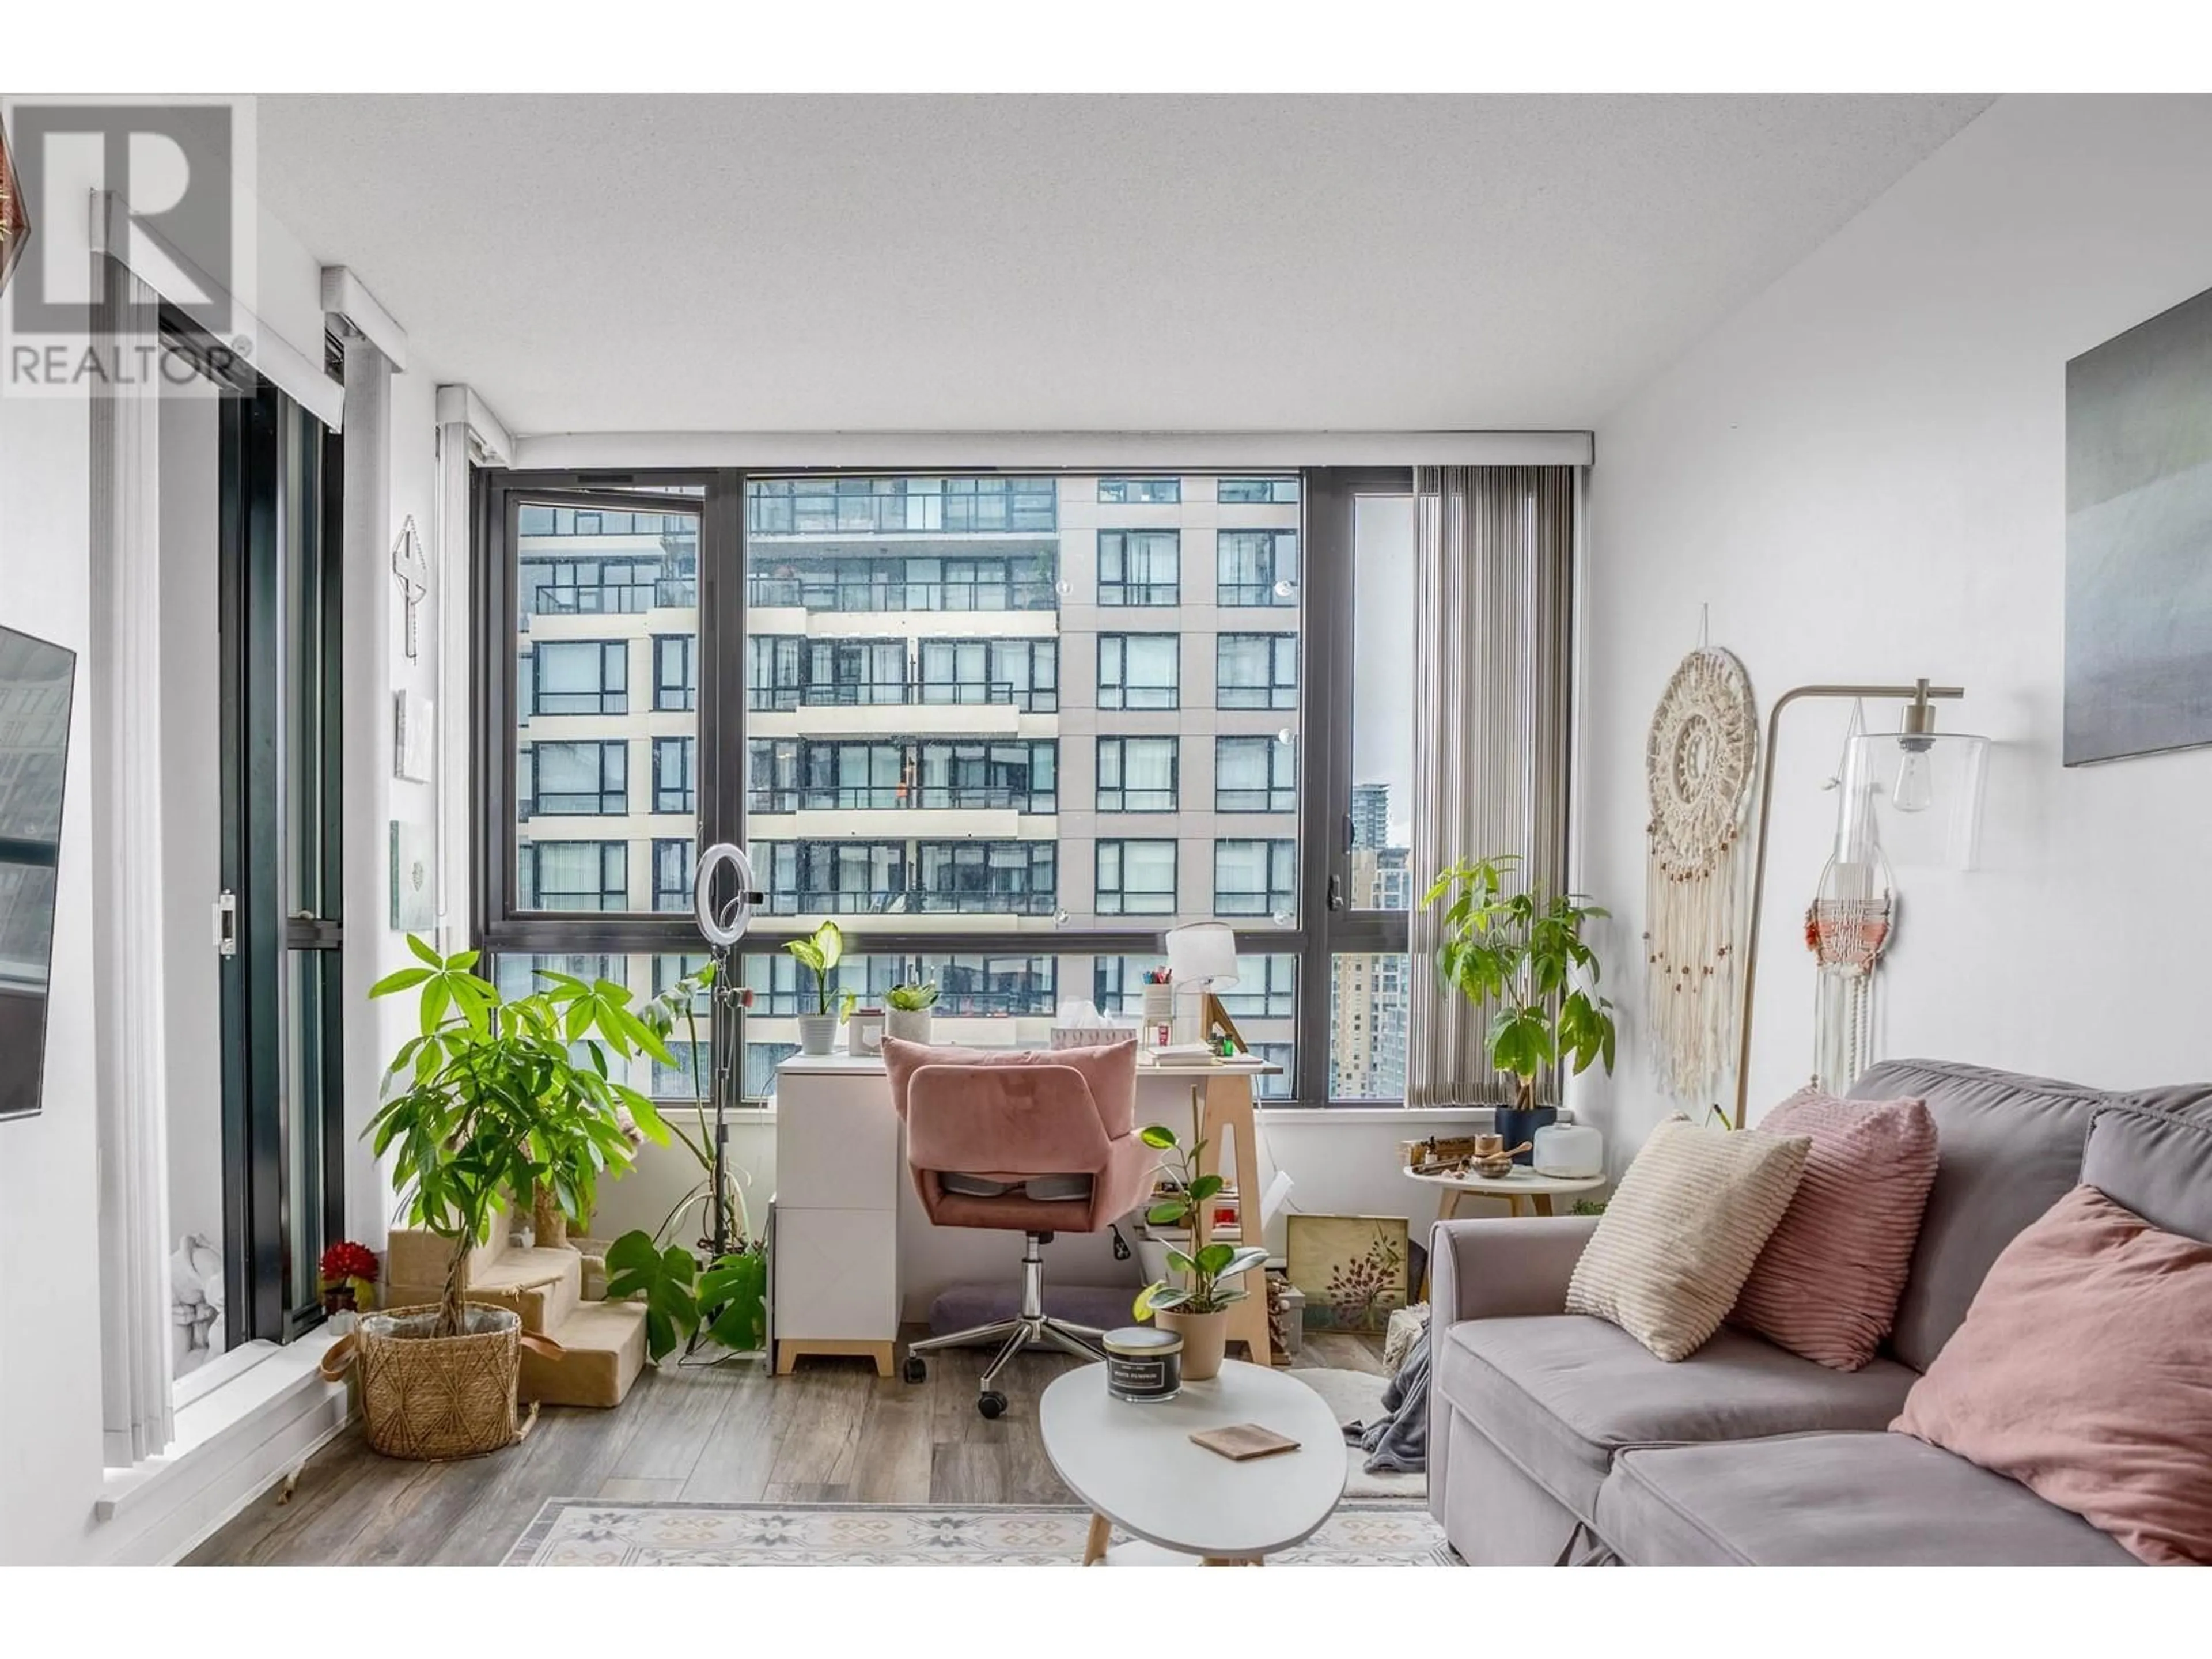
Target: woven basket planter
x: 430, y: 1398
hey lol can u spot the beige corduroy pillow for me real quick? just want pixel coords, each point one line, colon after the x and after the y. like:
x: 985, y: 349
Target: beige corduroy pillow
x: 1680, y: 1235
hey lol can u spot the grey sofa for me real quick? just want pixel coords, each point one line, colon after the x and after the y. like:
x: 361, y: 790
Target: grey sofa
x: 1557, y: 1437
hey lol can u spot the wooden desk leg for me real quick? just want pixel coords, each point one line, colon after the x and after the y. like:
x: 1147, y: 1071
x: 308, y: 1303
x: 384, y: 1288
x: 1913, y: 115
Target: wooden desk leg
x: 1542, y: 1201
x: 1229, y: 1106
x: 1094, y: 1546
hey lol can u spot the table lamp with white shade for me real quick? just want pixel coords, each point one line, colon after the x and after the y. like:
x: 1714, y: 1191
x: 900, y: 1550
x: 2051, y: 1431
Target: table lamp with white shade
x: 1202, y: 959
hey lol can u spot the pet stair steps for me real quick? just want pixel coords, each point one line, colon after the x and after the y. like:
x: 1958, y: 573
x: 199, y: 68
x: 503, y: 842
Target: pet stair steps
x: 603, y: 1342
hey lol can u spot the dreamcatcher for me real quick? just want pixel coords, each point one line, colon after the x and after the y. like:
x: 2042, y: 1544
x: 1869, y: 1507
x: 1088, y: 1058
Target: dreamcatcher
x: 1847, y: 927
x: 1699, y: 763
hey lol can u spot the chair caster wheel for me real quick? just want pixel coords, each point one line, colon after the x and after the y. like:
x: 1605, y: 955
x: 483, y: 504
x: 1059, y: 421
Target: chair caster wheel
x: 993, y: 1404
x: 914, y: 1370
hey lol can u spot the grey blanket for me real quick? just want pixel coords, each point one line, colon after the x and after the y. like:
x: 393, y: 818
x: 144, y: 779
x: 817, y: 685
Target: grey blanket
x: 1400, y: 1442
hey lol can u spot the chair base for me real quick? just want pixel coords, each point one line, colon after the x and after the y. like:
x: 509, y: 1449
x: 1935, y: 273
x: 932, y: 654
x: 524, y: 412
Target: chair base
x: 1032, y: 1326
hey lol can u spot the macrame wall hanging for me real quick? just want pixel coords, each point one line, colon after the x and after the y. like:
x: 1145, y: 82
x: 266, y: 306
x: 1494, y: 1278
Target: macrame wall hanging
x: 1699, y: 763
x: 1847, y: 927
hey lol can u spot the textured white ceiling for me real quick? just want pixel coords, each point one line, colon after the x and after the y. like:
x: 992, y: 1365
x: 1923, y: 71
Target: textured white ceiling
x: 921, y: 264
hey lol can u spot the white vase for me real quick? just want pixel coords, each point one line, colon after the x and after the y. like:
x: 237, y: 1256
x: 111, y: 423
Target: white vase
x: 907, y: 1024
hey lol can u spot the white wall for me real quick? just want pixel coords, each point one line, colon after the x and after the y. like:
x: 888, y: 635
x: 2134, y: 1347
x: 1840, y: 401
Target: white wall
x: 191, y: 806
x: 1863, y: 471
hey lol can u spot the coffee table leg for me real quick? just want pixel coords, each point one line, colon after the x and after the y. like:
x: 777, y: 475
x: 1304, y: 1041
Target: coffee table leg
x: 1542, y: 1201
x: 1094, y: 1546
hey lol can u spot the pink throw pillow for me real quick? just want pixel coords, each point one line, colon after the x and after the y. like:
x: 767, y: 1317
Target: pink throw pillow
x: 1826, y: 1284
x: 2084, y: 1371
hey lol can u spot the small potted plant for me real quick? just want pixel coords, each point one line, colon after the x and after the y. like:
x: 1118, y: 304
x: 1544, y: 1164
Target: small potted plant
x: 348, y: 1271
x: 909, y: 1018
x: 1197, y: 1309
x: 821, y: 951
x: 1522, y: 955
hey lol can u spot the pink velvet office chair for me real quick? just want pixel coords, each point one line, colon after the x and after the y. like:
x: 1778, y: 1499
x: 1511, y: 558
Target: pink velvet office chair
x: 1034, y: 1144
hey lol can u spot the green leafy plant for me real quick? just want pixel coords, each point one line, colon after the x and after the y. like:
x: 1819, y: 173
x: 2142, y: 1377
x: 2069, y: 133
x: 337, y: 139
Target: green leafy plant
x: 820, y: 951
x: 730, y: 1297
x: 1206, y: 1268
x: 1524, y: 953
x: 913, y: 999
x: 497, y: 1099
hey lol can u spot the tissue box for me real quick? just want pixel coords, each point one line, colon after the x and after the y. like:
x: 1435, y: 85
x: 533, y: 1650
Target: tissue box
x: 1092, y: 1037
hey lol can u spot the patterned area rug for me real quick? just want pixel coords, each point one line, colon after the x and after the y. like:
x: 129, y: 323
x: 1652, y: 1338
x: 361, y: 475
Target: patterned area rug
x: 572, y: 1532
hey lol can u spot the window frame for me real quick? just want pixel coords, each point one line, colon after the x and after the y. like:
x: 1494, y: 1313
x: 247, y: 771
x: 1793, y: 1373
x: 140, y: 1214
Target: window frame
x: 1282, y: 696
x: 1120, y: 844
x: 1119, y: 743
x: 1149, y: 595
x: 1321, y: 789
x: 1121, y: 637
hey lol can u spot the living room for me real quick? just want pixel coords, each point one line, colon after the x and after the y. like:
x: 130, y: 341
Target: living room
x: 889, y: 868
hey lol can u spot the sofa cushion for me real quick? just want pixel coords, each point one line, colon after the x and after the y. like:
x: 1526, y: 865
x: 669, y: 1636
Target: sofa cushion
x: 1826, y: 1284
x: 2084, y: 1370
x: 1560, y: 1393
x: 2155, y: 1162
x: 1678, y: 1235
x: 2008, y: 1148
x: 1859, y: 1500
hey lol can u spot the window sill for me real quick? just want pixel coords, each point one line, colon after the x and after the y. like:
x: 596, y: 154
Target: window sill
x: 225, y: 1420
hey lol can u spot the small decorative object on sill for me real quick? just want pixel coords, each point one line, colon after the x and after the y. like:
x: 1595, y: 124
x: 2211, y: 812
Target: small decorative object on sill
x: 1699, y: 762
x: 348, y: 1271
x: 1143, y: 1364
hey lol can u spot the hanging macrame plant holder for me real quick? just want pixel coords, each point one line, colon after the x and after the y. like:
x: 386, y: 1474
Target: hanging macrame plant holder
x: 1848, y: 925
x: 1699, y: 763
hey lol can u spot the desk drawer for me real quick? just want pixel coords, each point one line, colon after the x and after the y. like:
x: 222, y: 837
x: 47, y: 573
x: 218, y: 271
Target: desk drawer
x: 836, y: 1143
x: 836, y: 1274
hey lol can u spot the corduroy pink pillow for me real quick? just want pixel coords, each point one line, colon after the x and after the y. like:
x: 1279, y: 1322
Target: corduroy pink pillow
x: 2083, y: 1371
x: 1827, y: 1283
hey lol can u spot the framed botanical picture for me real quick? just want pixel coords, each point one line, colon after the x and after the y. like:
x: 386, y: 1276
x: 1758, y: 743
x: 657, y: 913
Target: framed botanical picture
x: 1352, y: 1269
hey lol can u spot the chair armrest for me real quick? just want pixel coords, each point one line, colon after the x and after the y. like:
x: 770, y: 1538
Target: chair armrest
x: 1497, y: 1267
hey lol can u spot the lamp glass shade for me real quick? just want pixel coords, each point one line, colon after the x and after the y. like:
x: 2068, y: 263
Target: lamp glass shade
x: 1202, y: 953
x: 1918, y: 797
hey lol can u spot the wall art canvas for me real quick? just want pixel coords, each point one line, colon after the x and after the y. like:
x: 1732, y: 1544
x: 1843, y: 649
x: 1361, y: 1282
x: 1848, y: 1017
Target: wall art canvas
x: 2139, y: 539
x: 1352, y: 1269
x: 414, y: 894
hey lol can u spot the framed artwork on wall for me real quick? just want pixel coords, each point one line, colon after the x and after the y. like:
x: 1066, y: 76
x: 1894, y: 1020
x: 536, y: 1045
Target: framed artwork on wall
x: 2139, y: 539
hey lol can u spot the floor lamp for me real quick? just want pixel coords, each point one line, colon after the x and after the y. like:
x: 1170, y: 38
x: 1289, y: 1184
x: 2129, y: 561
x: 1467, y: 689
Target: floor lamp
x: 1914, y: 740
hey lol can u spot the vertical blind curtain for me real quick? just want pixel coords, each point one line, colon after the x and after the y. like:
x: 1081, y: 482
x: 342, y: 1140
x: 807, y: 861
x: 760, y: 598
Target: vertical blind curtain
x: 132, y: 1069
x: 1492, y: 674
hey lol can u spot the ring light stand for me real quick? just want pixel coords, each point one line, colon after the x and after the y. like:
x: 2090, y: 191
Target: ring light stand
x: 722, y: 926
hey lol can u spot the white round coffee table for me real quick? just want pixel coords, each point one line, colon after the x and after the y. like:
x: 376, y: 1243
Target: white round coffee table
x: 1136, y: 1467
x: 1523, y: 1185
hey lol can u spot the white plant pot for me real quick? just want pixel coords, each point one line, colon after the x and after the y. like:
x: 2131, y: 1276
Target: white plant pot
x: 907, y: 1024
x: 818, y: 1033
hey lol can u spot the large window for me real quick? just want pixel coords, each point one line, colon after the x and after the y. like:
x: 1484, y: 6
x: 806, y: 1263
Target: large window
x: 858, y: 677
x: 1136, y: 774
x: 589, y: 779
x: 1139, y: 567
x: 1139, y: 671
x: 580, y: 676
x: 1256, y: 670
x: 1254, y: 878
x: 575, y: 875
x: 673, y: 788
x: 1255, y: 774
x: 1136, y: 877
x: 1256, y: 567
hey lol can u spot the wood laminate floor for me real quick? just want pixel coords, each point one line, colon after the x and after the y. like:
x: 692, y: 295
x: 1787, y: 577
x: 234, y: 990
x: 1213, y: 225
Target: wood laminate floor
x: 831, y: 1432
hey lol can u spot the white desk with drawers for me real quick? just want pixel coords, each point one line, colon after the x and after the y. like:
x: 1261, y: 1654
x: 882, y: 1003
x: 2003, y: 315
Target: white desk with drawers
x: 849, y: 1243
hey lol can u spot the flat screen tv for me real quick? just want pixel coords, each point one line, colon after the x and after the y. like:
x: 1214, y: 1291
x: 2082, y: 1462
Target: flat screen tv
x: 36, y: 681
